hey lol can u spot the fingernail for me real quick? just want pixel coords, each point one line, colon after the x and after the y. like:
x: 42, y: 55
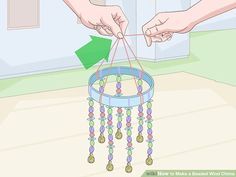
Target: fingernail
x: 148, y: 32
x: 120, y: 35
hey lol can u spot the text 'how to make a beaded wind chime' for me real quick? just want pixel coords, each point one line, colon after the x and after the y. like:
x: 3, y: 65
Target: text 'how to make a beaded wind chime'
x: 123, y: 106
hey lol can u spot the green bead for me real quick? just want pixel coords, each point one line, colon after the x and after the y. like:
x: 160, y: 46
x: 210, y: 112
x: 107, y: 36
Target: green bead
x: 92, y: 142
x: 118, y: 79
x: 140, y: 122
x: 129, y: 152
x: 120, y: 118
x: 91, y: 123
x: 101, y: 83
x: 149, y: 105
x: 128, y: 168
x: 149, y: 161
x: 110, y: 166
x: 110, y: 131
x: 129, y: 133
x: 128, y: 112
x: 140, y: 82
x: 102, y: 123
x: 150, y: 144
x: 101, y: 139
x: 110, y: 110
x: 91, y: 158
x: 149, y: 125
x: 110, y: 150
x: 91, y: 103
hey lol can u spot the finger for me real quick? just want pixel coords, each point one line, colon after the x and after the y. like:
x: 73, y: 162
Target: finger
x: 108, y: 30
x: 115, y: 28
x: 122, y: 21
x: 156, y: 39
x: 147, y: 32
x: 101, y: 31
x: 159, y: 29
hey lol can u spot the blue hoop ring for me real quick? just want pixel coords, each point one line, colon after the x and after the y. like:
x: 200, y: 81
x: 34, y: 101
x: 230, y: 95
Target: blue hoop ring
x: 121, y: 101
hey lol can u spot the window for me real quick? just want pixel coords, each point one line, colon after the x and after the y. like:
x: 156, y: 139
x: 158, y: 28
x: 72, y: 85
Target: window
x: 23, y: 14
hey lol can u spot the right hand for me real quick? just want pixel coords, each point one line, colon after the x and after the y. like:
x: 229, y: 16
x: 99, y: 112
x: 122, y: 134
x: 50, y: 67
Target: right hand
x: 106, y: 20
x: 163, y: 25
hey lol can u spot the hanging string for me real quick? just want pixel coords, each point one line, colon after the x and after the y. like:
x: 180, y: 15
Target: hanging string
x: 113, y: 57
x: 129, y: 60
x: 130, y: 35
x: 136, y: 58
x: 104, y: 60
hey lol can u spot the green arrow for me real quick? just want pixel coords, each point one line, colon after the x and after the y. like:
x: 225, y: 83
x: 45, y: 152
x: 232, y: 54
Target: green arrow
x: 94, y: 51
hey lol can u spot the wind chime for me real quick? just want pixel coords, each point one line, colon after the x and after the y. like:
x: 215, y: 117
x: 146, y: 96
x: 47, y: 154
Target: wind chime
x: 118, y: 106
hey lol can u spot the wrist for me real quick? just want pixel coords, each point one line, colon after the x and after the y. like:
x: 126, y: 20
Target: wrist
x: 191, y: 18
x: 78, y: 5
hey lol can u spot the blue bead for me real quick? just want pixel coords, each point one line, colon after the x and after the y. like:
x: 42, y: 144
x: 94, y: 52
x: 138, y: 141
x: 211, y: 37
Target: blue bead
x: 119, y: 125
x: 110, y: 157
x: 149, y: 151
x: 140, y: 128
x: 129, y: 159
x: 102, y: 129
x: 91, y: 149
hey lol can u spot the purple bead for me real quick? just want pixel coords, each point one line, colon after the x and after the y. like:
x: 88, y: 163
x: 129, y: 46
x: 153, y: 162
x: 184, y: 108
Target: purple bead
x: 149, y: 151
x: 129, y: 159
x: 101, y: 89
x: 110, y: 157
x: 109, y: 117
x: 140, y: 128
x: 129, y: 139
x: 118, y: 85
x: 128, y: 119
x: 140, y: 88
x: 149, y: 111
x: 140, y: 108
x: 91, y: 109
x: 91, y: 149
x: 149, y: 131
x: 102, y: 129
x: 119, y: 125
x: 91, y: 129
x: 110, y: 137
x: 102, y: 109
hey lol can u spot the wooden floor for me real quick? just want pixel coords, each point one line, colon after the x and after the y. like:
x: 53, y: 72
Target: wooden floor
x: 46, y: 134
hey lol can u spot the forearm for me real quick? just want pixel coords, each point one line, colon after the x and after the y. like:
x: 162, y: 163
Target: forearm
x: 206, y: 9
x: 77, y: 5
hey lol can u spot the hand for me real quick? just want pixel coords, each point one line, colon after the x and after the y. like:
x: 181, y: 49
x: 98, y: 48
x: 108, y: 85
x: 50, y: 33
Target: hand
x: 163, y: 25
x: 106, y: 20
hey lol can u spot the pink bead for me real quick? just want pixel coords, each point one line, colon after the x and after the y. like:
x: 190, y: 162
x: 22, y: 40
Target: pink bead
x: 140, y: 114
x: 118, y: 91
x: 90, y: 114
x: 129, y: 144
x: 91, y: 134
x: 149, y: 117
x: 102, y: 114
x: 110, y: 143
x: 109, y: 122
x: 119, y: 110
x: 150, y: 137
x: 128, y: 124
